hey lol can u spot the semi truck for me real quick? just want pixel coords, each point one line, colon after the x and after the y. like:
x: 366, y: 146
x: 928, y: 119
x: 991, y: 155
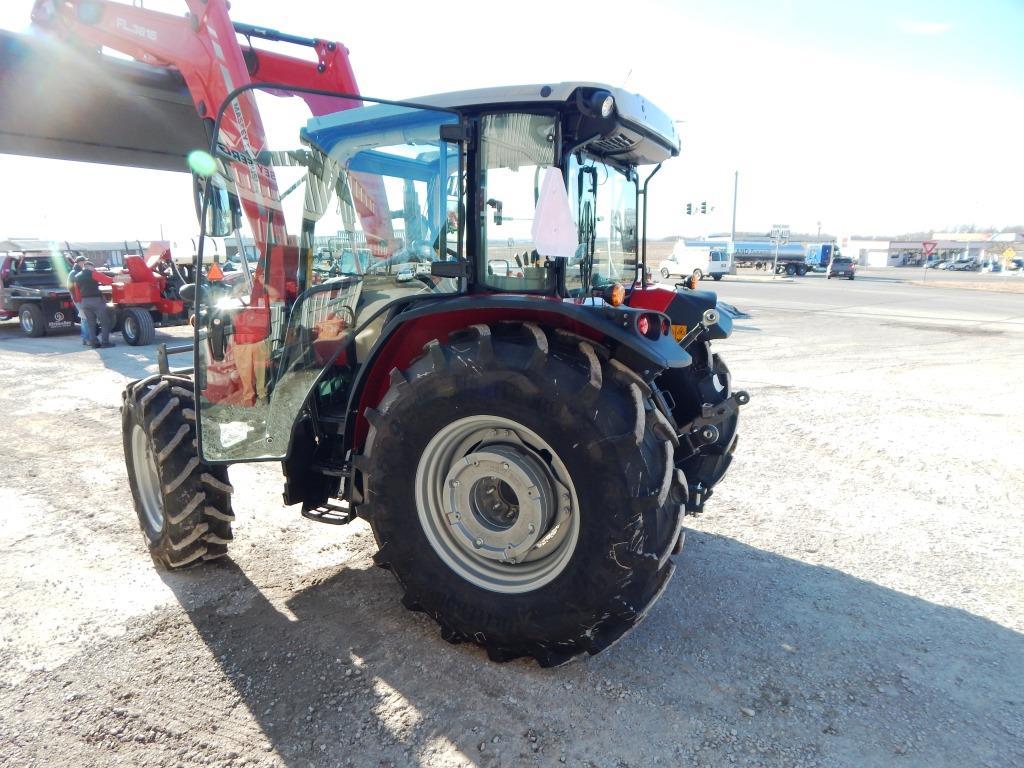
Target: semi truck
x: 820, y: 255
x: 762, y: 256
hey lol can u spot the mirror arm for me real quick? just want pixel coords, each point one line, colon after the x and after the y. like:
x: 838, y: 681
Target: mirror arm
x: 643, y: 249
x: 582, y: 144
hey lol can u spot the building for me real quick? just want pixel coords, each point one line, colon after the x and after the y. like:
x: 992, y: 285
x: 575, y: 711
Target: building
x: 102, y: 254
x: 977, y: 246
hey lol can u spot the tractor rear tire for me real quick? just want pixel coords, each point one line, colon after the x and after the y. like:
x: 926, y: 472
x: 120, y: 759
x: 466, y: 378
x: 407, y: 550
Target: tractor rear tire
x: 184, y: 505
x: 137, y: 327
x: 539, y: 428
x: 32, y: 321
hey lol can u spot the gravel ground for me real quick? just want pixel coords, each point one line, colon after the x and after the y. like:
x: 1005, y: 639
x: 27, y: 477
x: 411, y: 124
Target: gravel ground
x: 851, y: 597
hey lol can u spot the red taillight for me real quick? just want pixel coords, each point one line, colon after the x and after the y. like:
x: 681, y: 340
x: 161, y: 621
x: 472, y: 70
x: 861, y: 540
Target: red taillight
x: 643, y: 325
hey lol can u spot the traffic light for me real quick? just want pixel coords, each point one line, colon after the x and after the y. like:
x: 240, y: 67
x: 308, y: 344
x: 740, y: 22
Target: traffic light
x: 689, y: 209
x: 704, y: 207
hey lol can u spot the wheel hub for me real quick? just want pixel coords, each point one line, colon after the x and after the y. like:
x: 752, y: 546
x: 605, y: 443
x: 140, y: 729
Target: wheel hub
x: 500, y: 502
x: 497, y: 504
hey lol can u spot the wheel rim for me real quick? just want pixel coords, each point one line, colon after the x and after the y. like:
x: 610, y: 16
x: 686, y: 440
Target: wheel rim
x: 129, y: 329
x: 27, y: 323
x: 698, y: 274
x: 664, y: 272
x: 497, y: 504
x: 147, y: 481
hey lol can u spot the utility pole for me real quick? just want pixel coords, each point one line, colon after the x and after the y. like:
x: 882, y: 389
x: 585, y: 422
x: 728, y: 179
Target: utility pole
x: 731, y: 250
x: 735, y: 190
x: 780, y: 234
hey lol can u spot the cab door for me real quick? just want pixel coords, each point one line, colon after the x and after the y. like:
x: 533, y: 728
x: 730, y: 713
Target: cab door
x: 362, y: 183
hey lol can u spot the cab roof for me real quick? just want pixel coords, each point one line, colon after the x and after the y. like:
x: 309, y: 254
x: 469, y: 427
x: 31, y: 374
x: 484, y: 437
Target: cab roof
x: 643, y: 133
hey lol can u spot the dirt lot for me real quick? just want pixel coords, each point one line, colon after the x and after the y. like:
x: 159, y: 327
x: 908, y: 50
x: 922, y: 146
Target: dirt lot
x: 853, y: 595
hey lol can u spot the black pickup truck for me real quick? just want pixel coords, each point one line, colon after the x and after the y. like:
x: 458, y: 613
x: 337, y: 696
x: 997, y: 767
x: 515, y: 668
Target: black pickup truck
x: 33, y: 288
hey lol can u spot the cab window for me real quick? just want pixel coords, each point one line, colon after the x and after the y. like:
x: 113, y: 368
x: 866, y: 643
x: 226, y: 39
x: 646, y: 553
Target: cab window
x: 516, y: 150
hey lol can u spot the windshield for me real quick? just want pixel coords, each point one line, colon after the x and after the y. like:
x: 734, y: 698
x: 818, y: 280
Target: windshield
x: 340, y: 209
x: 604, y: 202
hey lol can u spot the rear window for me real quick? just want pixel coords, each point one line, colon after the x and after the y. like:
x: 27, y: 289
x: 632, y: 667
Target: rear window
x: 842, y: 260
x: 36, y: 265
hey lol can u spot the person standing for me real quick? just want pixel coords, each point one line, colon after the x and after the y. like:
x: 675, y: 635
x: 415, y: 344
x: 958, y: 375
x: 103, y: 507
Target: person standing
x: 76, y: 297
x: 94, y: 305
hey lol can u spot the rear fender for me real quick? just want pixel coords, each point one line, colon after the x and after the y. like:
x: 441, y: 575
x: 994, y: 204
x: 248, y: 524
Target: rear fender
x: 403, y: 338
x: 685, y: 308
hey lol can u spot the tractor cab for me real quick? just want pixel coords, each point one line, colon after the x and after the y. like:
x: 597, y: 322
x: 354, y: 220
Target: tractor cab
x: 359, y: 210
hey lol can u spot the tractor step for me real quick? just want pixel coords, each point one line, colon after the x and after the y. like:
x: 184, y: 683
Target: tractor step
x: 332, y: 514
x: 162, y: 353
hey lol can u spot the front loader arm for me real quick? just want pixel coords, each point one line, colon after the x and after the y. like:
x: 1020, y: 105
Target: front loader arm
x: 197, y: 45
x: 203, y: 48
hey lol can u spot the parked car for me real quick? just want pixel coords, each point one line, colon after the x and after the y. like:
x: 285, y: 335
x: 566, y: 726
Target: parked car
x: 965, y: 265
x: 842, y: 266
x: 937, y: 264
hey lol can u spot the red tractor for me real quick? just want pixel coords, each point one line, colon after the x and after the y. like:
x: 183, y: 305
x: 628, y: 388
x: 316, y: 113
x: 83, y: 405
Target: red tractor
x: 485, y: 378
x: 144, y: 294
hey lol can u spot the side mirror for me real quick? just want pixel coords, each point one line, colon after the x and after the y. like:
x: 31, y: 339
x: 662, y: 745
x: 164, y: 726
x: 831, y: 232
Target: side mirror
x: 187, y: 293
x: 497, y: 206
x: 220, y: 213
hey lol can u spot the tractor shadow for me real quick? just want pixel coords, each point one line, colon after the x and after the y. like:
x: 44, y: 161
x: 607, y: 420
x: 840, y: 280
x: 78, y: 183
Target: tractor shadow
x: 747, y: 649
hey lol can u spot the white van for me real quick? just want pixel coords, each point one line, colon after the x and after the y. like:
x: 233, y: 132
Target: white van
x: 700, y: 261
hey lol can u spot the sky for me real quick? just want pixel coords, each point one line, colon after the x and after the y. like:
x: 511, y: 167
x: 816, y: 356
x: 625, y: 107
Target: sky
x: 873, y: 118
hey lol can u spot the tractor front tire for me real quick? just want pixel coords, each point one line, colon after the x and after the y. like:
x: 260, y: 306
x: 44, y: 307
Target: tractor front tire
x: 184, y: 505
x: 522, y: 490
x: 137, y: 327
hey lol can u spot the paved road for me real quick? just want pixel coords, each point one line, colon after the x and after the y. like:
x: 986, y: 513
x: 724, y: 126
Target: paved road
x: 883, y: 294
